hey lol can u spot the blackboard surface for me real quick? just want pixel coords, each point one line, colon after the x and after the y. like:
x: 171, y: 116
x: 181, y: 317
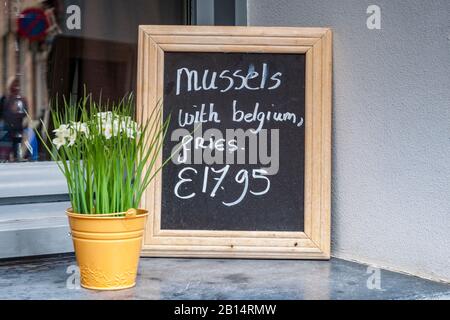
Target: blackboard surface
x: 281, y: 208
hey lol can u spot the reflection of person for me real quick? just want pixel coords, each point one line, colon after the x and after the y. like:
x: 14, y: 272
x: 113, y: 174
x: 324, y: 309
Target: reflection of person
x: 5, y: 137
x: 14, y: 113
x: 30, y: 141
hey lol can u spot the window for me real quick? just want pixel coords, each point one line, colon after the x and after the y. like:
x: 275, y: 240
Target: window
x: 98, y: 52
x: 87, y: 44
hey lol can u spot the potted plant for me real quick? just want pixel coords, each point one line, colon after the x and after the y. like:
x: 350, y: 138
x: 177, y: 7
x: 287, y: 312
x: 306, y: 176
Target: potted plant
x: 108, y: 160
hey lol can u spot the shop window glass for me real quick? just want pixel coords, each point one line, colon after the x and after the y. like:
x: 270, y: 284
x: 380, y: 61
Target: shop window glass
x: 88, y: 45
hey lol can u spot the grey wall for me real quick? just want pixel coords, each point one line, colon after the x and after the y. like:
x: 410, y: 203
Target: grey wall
x: 391, y: 135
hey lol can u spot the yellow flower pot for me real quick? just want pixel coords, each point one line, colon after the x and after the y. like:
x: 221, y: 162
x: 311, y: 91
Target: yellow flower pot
x: 108, y: 247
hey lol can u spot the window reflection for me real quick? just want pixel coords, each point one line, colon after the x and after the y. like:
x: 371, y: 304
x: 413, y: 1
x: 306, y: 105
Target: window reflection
x: 99, y: 56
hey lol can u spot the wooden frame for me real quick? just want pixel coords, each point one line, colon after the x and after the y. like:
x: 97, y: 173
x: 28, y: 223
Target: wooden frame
x: 316, y: 43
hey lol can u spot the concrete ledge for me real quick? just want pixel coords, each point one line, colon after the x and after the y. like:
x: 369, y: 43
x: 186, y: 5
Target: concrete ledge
x: 160, y: 278
x: 34, y: 229
x: 32, y: 242
x: 41, y: 178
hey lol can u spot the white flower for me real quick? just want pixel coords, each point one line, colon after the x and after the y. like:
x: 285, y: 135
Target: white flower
x: 59, y: 142
x: 105, y: 115
x: 130, y: 133
x: 80, y: 127
x: 129, y: 127
x: 116, y: 127
x: 104, y: 122
x: 107, y: 131
x: 72, y: 139
x: 112, y: 125
x: 125, y: 121
x: 63, y: 131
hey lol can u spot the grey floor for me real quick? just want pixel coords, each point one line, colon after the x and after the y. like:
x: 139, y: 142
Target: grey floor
x: 52, y: 278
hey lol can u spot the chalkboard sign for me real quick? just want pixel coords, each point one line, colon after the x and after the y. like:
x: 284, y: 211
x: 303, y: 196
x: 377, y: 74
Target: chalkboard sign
x: 228, y: 195
x: 249, y: 140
